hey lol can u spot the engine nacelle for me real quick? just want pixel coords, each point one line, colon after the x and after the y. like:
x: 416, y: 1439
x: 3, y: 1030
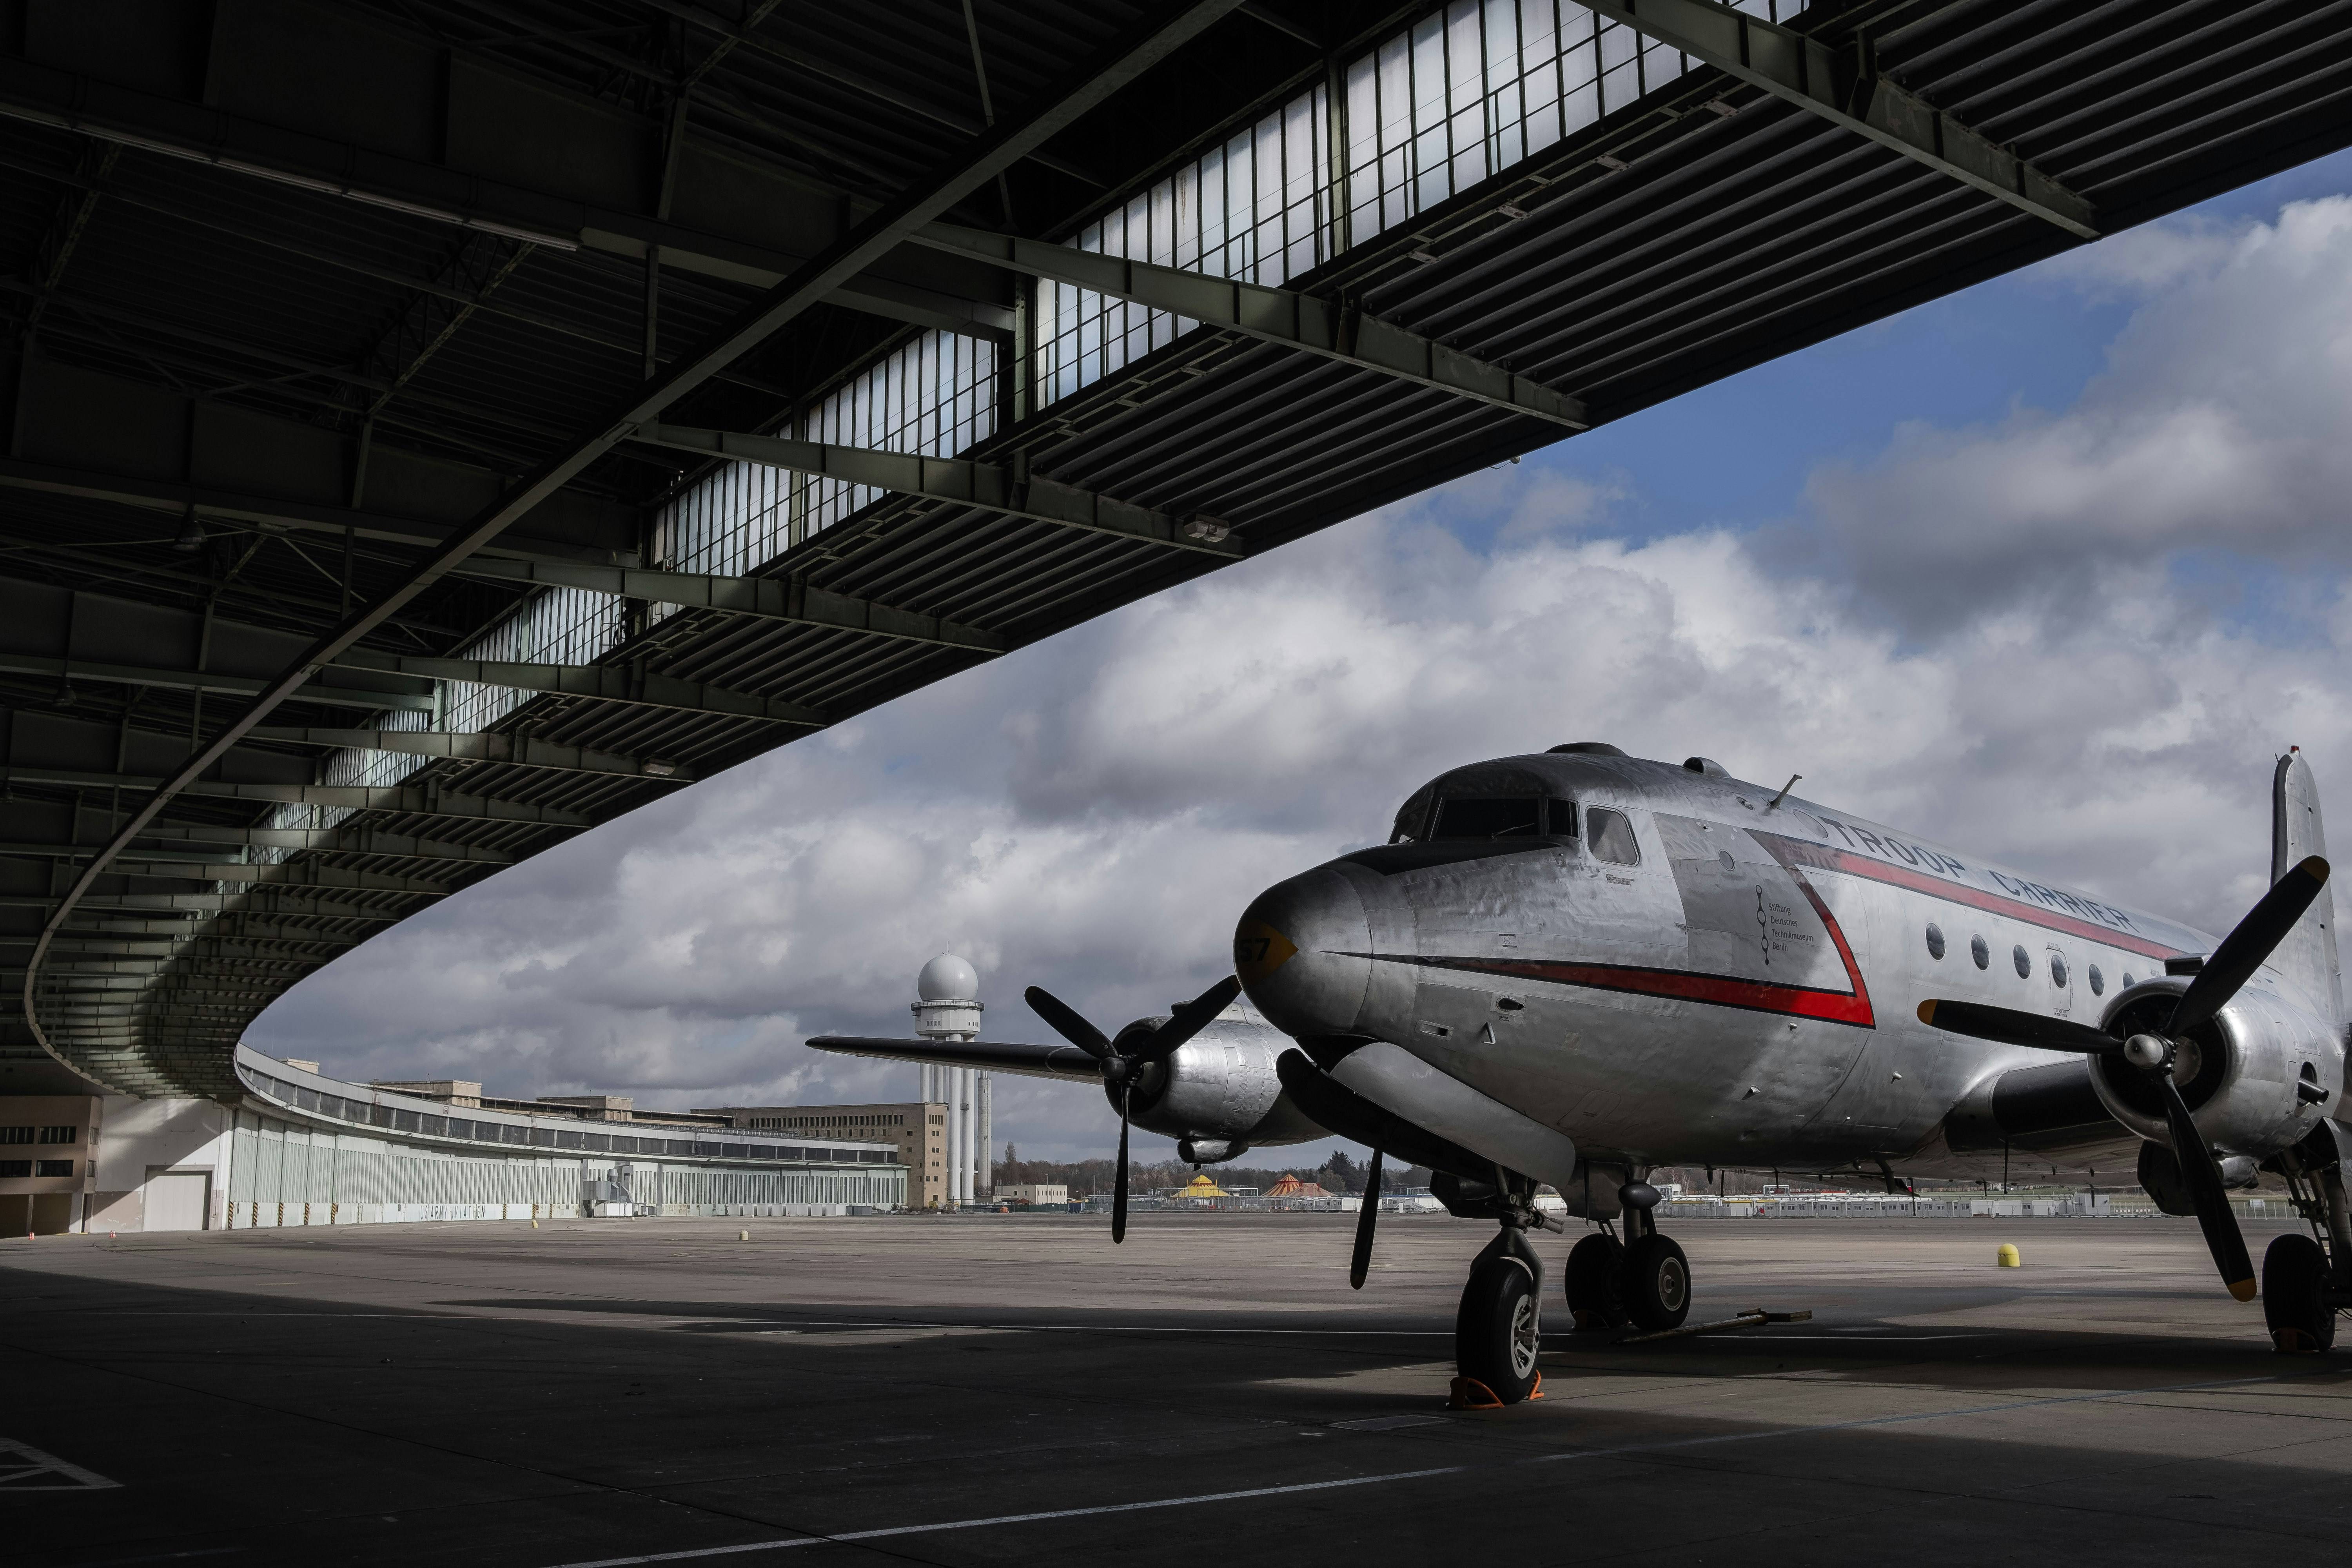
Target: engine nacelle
x: 1218, y: 1094
x: 2242, y: 1075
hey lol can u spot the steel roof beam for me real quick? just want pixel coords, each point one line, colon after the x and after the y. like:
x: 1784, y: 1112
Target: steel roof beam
x: 1011, y: 489
x: 283, y: 874
x: 1331, y: 329
x: 270, y: 511
x: 125, y: 117
x: 407, y: 800
x: 332, y: 841
x: 600, y: 682
x: 311, y: 840
x: 486, y: 746
x: 190, y: 680
x: 773, y: 598
x: 278, y: 906
x: 1842, y: 85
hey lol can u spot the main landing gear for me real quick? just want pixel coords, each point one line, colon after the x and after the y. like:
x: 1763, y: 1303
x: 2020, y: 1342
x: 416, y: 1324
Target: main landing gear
x: 1642, y: 1281
x: 2307, y: 1279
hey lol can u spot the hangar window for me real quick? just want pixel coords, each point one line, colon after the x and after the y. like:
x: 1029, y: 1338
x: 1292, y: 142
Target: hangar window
x: 1479, y: 816
x: 1610, y: 836
x: 1980, y: 952
x: 2017, y: 955
x: 2099, y: 981
x: 53, y: 1167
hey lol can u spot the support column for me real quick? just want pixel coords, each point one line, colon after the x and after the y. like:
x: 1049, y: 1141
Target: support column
x: 964, y: 1121
x: 955, y: 1137
x: 987, y: 1167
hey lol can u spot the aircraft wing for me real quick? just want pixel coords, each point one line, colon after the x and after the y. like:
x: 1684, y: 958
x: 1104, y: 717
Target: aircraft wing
x: 1064, y: 1062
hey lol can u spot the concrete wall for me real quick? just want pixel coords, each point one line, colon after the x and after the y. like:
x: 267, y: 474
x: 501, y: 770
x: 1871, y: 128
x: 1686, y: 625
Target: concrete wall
x: 139, y: 1139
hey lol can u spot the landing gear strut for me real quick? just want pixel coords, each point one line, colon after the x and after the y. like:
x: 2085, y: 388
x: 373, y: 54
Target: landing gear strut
x: 1499, y: 1332
x: 2306, y: 1280
x: 1655, y: 1283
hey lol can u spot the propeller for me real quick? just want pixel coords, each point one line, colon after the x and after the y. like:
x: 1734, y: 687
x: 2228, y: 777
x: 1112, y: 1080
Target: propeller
x: 2231, y: 965
x: 1362, y: 1263
x: 1120, y: 1059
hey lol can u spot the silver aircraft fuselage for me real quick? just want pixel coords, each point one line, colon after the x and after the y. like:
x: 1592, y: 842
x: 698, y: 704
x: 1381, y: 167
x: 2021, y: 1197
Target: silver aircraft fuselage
x: 1670, y: 967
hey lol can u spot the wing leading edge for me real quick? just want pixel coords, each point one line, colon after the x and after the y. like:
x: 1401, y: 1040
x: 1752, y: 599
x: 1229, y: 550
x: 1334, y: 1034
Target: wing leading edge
x: 1063, y: 1062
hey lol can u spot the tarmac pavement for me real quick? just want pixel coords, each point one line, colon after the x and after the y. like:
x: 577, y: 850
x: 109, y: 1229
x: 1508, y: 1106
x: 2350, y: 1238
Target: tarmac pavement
x: 982, y: 1389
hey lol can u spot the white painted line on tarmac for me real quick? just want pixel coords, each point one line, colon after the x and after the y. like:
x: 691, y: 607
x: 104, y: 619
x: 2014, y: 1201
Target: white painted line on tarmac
x: 1013, y: 1519
x: 1667, y: 1446
x: 25, y: 1468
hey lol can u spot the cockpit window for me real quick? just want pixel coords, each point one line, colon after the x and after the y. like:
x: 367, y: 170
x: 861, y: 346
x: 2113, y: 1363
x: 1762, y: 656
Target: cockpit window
x: 1561, y: 815
x: 1610, y: 836
x: 1480, y: 817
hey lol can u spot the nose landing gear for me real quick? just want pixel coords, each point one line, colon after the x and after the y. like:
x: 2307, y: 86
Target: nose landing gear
x: 1499, y: 1329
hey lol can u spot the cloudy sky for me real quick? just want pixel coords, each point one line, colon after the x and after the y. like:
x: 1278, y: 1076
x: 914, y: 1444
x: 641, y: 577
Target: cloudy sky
x: 2048, y: 571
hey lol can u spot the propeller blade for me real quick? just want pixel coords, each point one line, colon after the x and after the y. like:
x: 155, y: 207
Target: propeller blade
x: 1064, y: 1020
x: 1362, y: 1263
x: 2201, y: 1173
x: 2243, y: 950
x: 1118, y: 1186
x: 2010, y: 1027
x: 1189, y: 1020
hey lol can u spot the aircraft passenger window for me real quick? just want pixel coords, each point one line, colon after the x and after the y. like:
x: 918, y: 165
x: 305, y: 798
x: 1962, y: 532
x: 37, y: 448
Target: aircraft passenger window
x: 1561, y: 818
x: 2127, y: 980
x: 1478, y: 817
x: 1610, y: 836
x: 1935, y: 940
x: 2024, y: 964
x: 2099, y: 981
x: 1980, y: 952
x: 2058, y: 970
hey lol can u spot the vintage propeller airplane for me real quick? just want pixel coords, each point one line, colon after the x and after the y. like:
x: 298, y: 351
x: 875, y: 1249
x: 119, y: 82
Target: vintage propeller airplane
x: 1572, y: 968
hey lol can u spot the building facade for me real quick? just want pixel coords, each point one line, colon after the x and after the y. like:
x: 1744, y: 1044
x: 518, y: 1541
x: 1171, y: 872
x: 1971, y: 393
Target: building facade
x: 300, y: 1148
x: 919, y: 1130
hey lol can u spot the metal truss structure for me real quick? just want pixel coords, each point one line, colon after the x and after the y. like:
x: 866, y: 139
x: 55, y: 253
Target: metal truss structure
x: 438, y: 426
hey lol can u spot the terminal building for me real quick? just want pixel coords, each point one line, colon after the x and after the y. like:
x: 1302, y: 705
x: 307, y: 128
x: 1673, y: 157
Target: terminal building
x: 917, y: 1128
x: 296, y: 1147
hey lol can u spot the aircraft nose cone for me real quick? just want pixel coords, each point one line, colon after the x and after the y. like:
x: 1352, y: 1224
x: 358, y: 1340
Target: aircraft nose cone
x: 1303, y: 951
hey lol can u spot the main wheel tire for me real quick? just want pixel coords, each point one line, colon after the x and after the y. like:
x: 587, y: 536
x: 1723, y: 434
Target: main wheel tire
x: 1499, y: 1332
x: 1657, y: 1283
x: 1594, y: 1266
x: 2294, y: 1297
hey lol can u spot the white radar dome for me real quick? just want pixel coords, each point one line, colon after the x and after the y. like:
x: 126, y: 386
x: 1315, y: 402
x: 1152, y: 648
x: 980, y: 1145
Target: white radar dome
x: 948, y: 978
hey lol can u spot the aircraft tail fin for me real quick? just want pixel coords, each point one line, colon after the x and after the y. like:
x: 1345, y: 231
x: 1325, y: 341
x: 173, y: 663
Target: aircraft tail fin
x: 2307, y: 956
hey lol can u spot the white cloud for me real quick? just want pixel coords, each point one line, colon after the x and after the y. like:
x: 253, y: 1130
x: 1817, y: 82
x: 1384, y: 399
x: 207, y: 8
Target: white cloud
x: 2009, y: 639
x: 2219, y: 423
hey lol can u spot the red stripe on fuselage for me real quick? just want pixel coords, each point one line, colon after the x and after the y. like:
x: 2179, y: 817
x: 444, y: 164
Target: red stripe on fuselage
x: 1715, y: 990
x: 1791, y: 852
x: 1718, y: 990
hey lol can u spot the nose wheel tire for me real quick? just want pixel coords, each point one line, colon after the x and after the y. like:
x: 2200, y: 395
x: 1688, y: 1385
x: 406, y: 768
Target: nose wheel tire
x: 2294, y: 1297
x: 1657, y: 1283
x: 1499, y: 1331
x: 1594, y: 1267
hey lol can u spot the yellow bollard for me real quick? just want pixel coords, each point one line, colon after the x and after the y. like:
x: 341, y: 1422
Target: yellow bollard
x: 2006, y: 1257
x: 742, y: 1235
x: 534, y: 1224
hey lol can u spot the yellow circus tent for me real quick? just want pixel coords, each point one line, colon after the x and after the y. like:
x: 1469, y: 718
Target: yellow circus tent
x: 1203, y: 1189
